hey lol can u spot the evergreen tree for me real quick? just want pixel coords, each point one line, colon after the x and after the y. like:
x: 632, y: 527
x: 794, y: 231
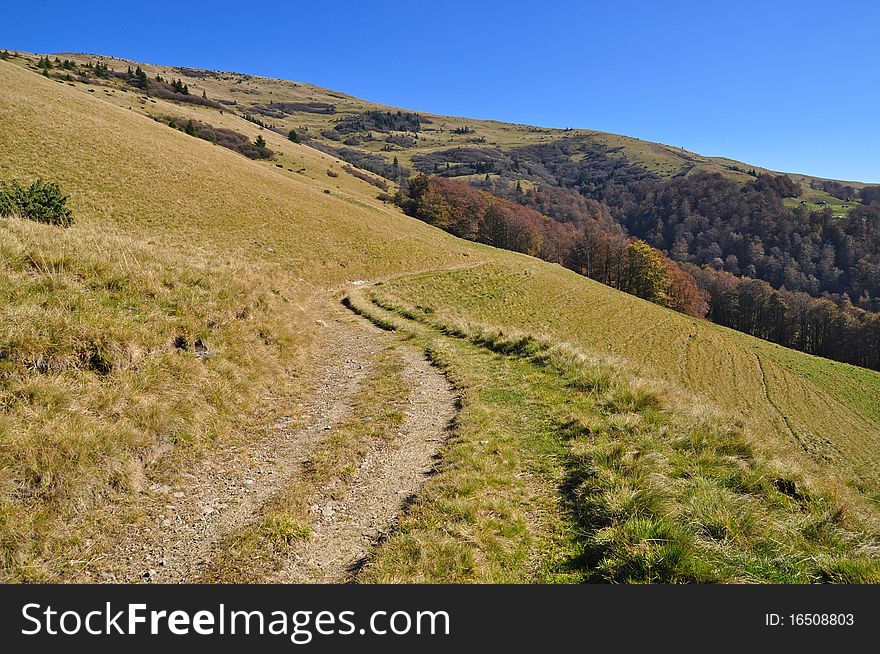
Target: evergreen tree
x: 141, y: 76
x: 293, y: 136
x: 260, y: 142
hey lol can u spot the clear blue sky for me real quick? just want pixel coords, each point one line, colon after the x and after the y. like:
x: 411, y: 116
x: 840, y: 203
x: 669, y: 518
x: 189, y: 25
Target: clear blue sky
x: 788, y: 85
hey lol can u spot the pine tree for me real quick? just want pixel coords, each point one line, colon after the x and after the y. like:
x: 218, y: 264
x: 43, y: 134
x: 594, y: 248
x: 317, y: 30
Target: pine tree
x: 141, y: 76
x: 260, y: 142
x: 293, y: 136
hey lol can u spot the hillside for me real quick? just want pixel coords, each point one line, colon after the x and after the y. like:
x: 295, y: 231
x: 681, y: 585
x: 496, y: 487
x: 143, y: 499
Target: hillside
x: 178, y: 238
x: 706, y: 211
x: 311, y: 110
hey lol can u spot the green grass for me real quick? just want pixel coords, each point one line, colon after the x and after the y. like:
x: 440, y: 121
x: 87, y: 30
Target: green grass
x: 633, y: 483
x: 490, y: 514
x: 819, y: 415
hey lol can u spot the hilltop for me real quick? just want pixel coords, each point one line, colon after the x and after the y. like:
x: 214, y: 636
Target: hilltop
x: 109, y: 401
x: 283, y: 105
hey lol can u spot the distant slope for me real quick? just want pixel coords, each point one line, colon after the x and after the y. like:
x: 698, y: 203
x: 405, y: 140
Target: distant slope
x: 124, y: 168
x: 285, y: 105
x: 805, y: 404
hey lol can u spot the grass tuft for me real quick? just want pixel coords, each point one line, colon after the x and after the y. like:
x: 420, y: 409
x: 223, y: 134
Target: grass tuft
x: 96, y: 401
x: 651, y: 488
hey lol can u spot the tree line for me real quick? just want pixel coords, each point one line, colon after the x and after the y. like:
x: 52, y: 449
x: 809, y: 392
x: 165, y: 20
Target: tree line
x: 745, y: 228
x: 582, y: 234
x: 588, y: 242
x: 839, y: 331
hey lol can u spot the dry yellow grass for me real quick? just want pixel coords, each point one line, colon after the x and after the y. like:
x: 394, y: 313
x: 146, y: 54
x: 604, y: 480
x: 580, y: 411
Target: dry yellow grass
x: 118, y: 362
x: 125, y: 169
x: 174, y: 236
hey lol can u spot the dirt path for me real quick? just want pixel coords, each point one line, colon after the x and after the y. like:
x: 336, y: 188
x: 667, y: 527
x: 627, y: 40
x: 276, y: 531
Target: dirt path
x: 344, y: 529
x: 187, y: 521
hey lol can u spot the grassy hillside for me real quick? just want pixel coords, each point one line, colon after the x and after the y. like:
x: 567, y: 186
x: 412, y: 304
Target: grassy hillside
x: 179, y: 238
x: 814, y: 409
x: 283, y: 105
x: 651, y: 487
x: 175, y: 237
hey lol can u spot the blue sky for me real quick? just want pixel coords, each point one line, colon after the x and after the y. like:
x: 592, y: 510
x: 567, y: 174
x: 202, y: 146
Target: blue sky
x: 787, y: 85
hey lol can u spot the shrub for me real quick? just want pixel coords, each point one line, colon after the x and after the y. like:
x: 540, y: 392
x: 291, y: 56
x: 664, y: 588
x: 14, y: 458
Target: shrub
x: 401, y: 140
x: 375, y: 163
x: 381, y: 121
x: 378, y: 183
x: 41, y: 201
x: 226, y: 138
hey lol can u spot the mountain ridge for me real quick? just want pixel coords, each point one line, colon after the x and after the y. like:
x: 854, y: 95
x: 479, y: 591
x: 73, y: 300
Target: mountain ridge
x: 193, y: 75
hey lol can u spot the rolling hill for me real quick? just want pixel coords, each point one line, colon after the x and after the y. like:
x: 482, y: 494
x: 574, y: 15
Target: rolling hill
x: 107, y: 395
x: 283, y: 105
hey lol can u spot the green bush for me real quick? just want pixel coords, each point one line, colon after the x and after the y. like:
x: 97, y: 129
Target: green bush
x: 41, y: 201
